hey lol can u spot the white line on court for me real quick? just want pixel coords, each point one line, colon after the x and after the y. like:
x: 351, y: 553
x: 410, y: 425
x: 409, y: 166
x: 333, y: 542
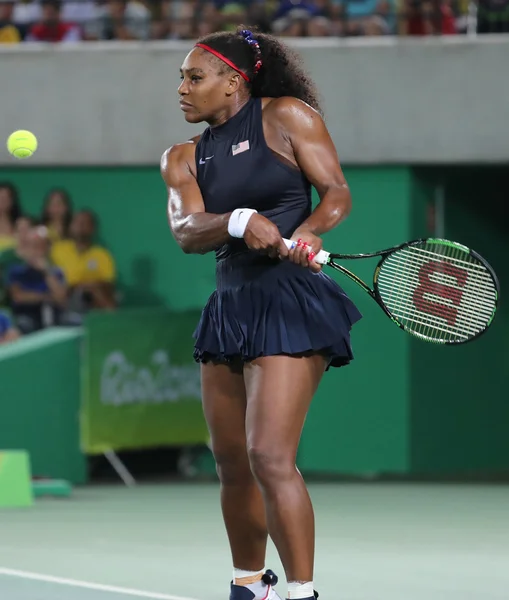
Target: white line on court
x: 89, y: 585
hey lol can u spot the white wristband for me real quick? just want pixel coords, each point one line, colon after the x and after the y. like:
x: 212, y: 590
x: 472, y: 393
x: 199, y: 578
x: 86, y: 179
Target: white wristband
x: 238, y: 221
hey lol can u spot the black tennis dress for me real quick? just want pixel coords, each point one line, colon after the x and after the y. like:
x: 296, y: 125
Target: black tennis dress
x: 264, y: 306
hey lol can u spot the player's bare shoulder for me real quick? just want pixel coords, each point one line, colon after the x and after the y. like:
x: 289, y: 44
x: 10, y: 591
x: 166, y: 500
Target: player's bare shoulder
x: 289, y: 112
x: 178, y: 159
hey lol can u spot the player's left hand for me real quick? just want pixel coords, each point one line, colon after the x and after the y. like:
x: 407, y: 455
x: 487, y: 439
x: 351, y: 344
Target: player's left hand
x: 307, y: 247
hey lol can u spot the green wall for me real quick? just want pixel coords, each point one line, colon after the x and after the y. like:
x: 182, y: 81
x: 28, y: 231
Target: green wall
x: 459, y: 413
x: 40, y: 402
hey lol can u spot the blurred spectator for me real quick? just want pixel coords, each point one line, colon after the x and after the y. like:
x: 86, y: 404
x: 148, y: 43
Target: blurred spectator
x: 8, y: 333
x: 121, y: 20
x: 428, y: 17
x: 37, y: 289
x: 57, y: 214
x: 367, y: 17
x: 28, y: 12
x: 209, y: 19
x: 10, y: 210
x: 51, y: 28
x: 260, y: 15
x: 10, y: 32
x: 23, y: 227
x: 80, y: 11
x: 230, y: 13
x: 301, y: 18
x: 16, y: 255
x: 189, y: 19
x: 175, y: 19
x: 89, y: 268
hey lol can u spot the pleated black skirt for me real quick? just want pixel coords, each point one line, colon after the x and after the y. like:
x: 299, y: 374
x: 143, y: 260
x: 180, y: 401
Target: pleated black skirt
x: 267, y: 307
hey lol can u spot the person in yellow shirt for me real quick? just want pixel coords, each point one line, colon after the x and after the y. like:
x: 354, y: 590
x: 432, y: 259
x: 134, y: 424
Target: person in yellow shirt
x: 89, y: 269
x: 10, y: 33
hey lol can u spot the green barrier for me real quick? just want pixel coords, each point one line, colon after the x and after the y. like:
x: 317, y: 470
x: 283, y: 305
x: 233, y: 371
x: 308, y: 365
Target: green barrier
x: 15, y: 484
x: 141, y: 384
x: 40, y: 402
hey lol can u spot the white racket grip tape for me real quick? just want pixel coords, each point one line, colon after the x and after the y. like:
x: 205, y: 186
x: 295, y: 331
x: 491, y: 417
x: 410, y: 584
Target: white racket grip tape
x: 321, y: 258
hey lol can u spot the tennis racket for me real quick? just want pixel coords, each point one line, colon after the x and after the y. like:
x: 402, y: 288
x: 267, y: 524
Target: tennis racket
x: 437, y: 290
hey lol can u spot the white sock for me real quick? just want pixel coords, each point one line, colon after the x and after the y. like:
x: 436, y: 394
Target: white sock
x: 300, y: 590
x: 256, y: 587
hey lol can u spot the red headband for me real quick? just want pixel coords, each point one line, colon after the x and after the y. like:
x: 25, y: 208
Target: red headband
x: 224, y: 59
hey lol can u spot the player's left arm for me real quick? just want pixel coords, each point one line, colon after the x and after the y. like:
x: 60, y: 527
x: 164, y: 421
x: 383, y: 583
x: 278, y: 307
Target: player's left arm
x: 315, y: 154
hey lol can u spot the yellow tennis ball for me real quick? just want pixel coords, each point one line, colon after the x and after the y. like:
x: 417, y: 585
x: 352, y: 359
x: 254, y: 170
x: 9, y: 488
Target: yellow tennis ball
x: 22, y: 144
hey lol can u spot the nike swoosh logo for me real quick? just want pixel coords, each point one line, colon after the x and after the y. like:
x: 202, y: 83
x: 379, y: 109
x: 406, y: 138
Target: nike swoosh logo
x: 202, y: 161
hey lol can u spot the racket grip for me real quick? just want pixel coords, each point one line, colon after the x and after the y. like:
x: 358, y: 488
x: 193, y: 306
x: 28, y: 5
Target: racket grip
x: 321, y: 258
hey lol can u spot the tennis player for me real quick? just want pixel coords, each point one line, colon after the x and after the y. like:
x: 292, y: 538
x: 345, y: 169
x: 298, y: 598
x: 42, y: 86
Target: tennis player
x: 275, y: 322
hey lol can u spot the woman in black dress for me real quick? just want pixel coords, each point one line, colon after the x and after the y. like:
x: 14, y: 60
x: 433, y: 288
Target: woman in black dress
x: 275, y: 322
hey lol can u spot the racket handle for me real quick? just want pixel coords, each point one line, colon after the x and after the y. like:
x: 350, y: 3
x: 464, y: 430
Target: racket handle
x: 321, y: 258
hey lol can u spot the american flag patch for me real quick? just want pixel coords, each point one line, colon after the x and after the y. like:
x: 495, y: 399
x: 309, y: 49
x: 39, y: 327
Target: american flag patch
x: 238, y: 148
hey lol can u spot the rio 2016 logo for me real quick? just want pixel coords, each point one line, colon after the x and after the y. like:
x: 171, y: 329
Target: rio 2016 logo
x: 156, y: 382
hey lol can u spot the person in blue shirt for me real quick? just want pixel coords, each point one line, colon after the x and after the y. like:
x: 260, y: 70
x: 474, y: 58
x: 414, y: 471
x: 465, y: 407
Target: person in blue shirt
x: 298, y: 18
x: 8, y: 333
x: 367, y: 17
x: 37, y: 289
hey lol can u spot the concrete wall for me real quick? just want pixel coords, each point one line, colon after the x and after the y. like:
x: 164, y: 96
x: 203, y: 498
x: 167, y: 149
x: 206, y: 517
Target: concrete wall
x: 443, y: 100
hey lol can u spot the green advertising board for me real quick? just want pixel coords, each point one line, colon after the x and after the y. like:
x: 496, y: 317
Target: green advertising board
x: 141, y: 386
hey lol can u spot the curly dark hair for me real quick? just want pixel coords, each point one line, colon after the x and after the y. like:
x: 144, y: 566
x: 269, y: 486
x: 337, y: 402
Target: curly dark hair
x: 281, y: 73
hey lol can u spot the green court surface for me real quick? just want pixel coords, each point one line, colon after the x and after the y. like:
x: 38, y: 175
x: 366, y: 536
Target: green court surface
x: 166, y: 542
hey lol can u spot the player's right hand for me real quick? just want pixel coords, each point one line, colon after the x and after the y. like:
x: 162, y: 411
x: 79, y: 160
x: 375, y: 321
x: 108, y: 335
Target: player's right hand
x: 262, y: 235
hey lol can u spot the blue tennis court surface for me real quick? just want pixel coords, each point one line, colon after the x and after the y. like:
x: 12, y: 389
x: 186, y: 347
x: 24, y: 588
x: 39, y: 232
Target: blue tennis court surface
x: 166, y: 542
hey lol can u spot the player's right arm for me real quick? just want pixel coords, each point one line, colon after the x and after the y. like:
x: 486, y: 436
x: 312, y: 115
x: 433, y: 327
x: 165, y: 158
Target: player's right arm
x: 195, y: 230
